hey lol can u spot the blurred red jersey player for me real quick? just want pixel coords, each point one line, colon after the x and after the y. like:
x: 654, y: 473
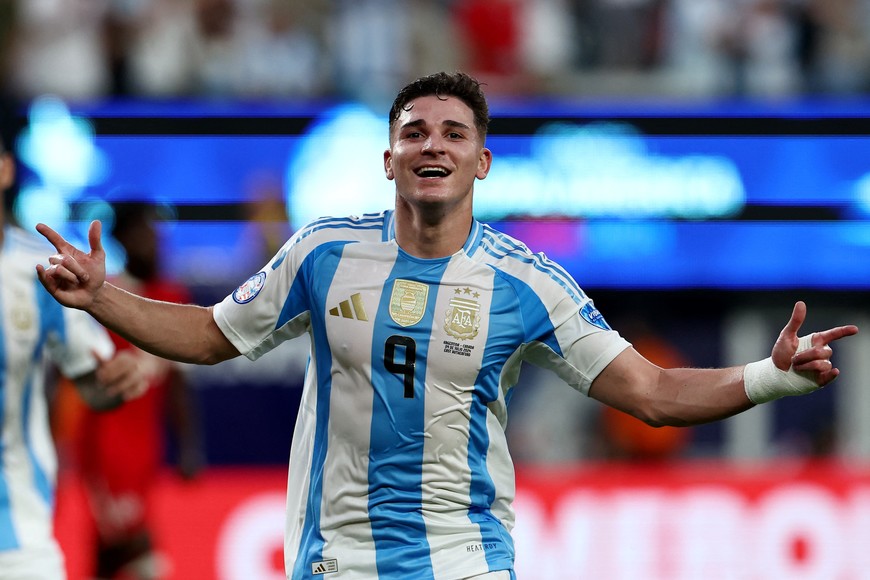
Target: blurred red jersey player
x: 121, y: 453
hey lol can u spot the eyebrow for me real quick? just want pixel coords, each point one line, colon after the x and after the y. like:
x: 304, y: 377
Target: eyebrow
x: 448, y: 123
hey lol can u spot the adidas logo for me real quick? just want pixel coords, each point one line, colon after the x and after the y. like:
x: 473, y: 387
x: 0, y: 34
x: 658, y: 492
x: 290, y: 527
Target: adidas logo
x: 324, y: 567
x: 352, y: 308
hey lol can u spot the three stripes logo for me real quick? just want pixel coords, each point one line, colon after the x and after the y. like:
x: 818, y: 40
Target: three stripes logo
x: 352, y: 308
x: 324, y: 567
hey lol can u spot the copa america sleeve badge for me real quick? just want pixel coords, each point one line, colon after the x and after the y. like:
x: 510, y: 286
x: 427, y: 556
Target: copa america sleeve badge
x: 251, y: 287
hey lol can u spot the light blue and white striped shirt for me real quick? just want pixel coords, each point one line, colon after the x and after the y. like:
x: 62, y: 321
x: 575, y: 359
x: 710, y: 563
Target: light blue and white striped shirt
x: 34, y: 328
x: 399, y: 465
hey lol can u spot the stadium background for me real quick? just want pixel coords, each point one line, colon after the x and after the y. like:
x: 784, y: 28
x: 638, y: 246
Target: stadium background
x: 731, y: 142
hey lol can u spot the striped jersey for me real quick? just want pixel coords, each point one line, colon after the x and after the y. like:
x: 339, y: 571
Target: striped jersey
x: 35, y: 329
x: 399, y: 464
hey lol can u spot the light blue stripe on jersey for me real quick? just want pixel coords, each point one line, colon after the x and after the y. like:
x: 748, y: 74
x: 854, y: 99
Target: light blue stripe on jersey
x: 8, y: 540
x: 51, y: 320
x: 397, y: 434
x: 311, y: 542
x: 506, y: 327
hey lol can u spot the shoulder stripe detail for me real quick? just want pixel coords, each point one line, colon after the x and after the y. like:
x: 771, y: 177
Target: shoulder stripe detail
x: 502, y: 246
x: 353, y: 223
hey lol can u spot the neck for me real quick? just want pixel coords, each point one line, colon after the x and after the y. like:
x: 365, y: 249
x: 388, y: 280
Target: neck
x: 431, y: 236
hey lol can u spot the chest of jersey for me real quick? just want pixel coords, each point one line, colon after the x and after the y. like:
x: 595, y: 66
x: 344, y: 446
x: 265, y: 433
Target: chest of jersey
x: 415, y: 342
x: 399, y: 313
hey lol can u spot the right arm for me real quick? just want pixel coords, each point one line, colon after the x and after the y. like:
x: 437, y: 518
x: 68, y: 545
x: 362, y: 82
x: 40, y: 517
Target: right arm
x: 181, y: 332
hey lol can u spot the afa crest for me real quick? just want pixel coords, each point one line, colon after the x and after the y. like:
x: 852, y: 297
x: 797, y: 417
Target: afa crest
x: 408, y: 302
x: 463, y: 320
x: 22, y: 318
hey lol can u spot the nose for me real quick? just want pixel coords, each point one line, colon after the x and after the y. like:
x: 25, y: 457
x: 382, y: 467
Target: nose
x: 433, y: 144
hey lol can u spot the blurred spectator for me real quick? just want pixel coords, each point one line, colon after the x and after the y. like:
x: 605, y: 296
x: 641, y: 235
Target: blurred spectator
x: 365, y: 49
x: 435, y: 43
x: 370, y: 45
x: 280, y: 55
x: 161, y: 47
x: 7, y: 31
x: 766, y: 54
x: 491, y: 34
x: 547, y: 39
x: 59, y: 48
x: 698, y: 34
x: 833, y: 45
x: 623, y: 34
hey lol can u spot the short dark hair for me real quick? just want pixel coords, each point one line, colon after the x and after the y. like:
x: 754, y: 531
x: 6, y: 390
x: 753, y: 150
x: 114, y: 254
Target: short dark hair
x: 443, y: 85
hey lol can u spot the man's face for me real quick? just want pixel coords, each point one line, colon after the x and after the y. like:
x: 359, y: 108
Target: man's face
x: 436, y: 152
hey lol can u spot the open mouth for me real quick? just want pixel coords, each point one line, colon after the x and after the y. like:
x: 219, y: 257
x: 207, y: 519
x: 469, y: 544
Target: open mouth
x: 430, y: 172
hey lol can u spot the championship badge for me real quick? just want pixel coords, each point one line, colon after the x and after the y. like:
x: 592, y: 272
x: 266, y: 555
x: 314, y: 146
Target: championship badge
x: 408, y: 302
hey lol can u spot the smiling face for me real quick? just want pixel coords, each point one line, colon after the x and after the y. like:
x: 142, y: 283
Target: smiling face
x: 435, y: 154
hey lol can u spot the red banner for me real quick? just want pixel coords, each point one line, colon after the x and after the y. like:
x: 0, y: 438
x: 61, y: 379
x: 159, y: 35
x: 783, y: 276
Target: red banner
x: 685, y: 521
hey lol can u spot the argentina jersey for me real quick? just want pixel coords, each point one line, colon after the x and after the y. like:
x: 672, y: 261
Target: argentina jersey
x: 399, y: 464
x: 33, y: 324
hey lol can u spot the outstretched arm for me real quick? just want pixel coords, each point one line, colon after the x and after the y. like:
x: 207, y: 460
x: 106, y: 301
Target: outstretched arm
x: 692, y: 396
x: 182, y: 332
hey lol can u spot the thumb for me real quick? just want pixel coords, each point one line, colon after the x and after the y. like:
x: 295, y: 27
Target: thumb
x: 95, y: 231
x: 798, y: 315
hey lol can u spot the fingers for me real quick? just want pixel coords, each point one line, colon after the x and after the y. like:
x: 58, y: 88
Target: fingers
x: 122, y: 375
x: 821, y: 371
x: 53, y: 237
x: 798, y: 315
x: 832, y: 334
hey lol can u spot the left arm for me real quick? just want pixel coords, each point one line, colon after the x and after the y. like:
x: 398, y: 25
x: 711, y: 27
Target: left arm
x: 682, y: 397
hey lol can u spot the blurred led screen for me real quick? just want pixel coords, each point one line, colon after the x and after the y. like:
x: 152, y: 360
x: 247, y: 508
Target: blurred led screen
x: 726, y: 197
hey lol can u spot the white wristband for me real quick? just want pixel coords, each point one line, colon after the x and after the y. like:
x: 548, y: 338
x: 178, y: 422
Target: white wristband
x: 764, y: 382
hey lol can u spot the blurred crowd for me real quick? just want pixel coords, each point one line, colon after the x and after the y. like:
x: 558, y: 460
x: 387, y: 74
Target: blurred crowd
x: 366, y: 49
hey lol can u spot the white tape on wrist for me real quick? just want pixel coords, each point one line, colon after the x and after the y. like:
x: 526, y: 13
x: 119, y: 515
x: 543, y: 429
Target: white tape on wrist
x: 764, y: 382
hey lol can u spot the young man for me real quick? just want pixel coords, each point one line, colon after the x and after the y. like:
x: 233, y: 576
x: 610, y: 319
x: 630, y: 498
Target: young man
x: 419, y: 319
x: 34, y: 327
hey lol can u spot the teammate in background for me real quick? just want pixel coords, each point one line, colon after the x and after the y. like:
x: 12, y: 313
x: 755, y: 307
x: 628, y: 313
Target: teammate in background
x: 120, y: 453
x: 419, y: 320
x: 36, y: 330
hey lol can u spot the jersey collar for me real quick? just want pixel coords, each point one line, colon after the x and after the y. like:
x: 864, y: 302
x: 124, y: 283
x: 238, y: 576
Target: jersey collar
x: 471, y: 243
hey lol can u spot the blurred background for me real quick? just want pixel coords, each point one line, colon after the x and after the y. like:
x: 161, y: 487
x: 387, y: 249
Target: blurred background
x: 697, y: 166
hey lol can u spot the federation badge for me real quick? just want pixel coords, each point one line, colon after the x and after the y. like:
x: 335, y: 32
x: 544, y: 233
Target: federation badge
x: 249, y: 290
x: 462, y: 320
x: 22, y: 318
x: 408, y: 302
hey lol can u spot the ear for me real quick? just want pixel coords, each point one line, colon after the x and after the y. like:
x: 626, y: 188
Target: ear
x: 484, y: 163
x: 388, y: 165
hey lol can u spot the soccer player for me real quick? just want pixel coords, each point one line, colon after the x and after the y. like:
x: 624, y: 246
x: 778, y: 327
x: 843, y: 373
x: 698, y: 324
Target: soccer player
x: 33, y: 328
x: 419, y: 318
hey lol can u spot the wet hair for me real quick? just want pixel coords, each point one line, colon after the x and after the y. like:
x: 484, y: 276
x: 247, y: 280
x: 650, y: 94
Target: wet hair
x: 443, y: 85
